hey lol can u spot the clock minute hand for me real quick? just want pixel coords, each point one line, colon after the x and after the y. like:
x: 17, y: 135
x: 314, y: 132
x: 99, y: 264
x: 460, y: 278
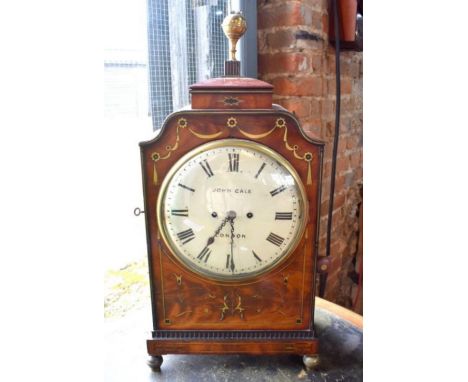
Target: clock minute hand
x: 232, y: 243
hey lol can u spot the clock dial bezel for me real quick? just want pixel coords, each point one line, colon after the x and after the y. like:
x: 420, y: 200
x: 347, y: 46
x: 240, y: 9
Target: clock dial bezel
x: 241, y: 143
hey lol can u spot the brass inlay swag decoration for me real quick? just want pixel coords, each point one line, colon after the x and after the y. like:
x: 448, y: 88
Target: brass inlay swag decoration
x: 231, y: 123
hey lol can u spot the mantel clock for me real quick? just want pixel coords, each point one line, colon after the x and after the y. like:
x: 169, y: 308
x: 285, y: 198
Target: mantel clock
x: 232, y: 196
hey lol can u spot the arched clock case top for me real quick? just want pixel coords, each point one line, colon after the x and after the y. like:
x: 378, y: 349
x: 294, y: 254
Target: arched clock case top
x: 275, y: 305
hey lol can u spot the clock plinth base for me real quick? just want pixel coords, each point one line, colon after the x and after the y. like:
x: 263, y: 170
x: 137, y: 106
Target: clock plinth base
x: 311, y: 361
x: 265, y: 347
x: 155, y: 362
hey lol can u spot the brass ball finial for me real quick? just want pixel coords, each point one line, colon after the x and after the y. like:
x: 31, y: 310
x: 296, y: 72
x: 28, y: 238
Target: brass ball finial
x: 234, y: 26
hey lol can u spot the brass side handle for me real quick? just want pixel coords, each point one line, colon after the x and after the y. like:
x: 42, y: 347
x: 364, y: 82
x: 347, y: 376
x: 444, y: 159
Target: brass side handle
x: 137, y: 211
x: 323, y: 264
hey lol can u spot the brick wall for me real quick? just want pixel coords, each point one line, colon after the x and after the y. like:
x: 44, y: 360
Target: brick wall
x: 295, y: 56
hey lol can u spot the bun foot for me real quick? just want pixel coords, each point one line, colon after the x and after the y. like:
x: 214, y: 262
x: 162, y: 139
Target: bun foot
x: 155, y: 362
x: 310, y: 361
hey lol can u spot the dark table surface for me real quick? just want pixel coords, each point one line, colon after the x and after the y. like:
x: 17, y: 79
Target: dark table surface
x: 340, y: 355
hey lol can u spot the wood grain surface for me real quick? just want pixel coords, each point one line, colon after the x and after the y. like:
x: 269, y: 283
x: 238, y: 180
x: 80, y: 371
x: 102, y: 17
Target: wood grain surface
x: 283, y: 298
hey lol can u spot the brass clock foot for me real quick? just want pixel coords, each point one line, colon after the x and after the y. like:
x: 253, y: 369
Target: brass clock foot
x: 310, y: 361
x: 155, y: 362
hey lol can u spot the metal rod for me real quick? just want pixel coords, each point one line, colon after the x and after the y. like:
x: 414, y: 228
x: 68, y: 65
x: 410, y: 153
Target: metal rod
x: 336, y: 18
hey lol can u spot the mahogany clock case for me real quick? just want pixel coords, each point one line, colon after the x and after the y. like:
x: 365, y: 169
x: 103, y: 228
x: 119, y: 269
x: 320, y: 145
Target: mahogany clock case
x: 268, y: 314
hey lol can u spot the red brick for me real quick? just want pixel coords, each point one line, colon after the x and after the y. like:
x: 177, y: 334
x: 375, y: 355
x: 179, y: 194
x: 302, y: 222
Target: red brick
x: 312, y: 128
x: 328, y: 153
x: 321, y: 251
x: 359, y: 173
x: 328, y: 109
x: 354, y: 69
x: 352, y: 142
x: 323, y: 225
x: 300, y: 106
x: 283, y: 62
x: 326, y: 169
x: 335, y: 258
x: 339, y: 182
x: 336, y: 250
x: 339, y: 200
x: 327, y: 129
x: 357, y: 101
x: 280, y: 39
x: 356, y: 123
x: 346, y: 86
x: 342, y: 163
x: 284, y: 86
x: 310, y: 44
x: 345, y: 125
x: 332, y: 289
x: 342, y: 141
x: 355, y: 160
x: 324, y: 208
x: 313, y: 121
x: 345, y: 66
x: 298, y: 86
x: 325, y: 23
x: 322, y: 242
x: 331, y: 61
x: 317, y: 20
x: 315, y: 108
x: 307, y: 110
x: 337, y: 224
x: 323, y: 130
x: 331, y: 86
x: 317, y: 63
x: 262, y: 3
x: 315, y: 4
x: 323, y: 231
x: 336, y: 266
x: 312, y: 86
x: 285, y: 14
x: 261, y: 42
x: 355, y: 65
x: 349, y: 178
x: 334, y: 273
x: 346, y: 104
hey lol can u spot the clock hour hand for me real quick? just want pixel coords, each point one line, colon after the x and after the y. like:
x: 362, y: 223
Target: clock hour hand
x: 211, y: 239
x: 230, y: 215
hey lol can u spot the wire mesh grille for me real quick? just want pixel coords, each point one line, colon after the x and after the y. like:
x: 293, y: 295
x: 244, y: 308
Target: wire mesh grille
x: 186, y: 44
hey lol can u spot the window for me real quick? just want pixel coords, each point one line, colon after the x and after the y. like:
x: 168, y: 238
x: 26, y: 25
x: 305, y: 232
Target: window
x: 186, y: 45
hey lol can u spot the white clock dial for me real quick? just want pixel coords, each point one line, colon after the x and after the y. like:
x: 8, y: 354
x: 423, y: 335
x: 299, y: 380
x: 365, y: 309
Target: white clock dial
x: 232, y: 209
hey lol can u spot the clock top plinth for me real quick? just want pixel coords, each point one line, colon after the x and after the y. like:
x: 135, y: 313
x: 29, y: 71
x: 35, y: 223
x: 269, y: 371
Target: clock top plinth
x: 232, y: 83
x: 232, y: 93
